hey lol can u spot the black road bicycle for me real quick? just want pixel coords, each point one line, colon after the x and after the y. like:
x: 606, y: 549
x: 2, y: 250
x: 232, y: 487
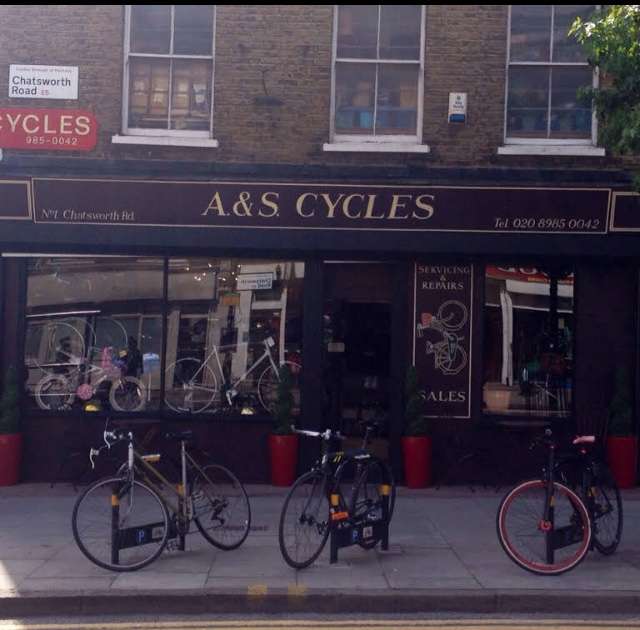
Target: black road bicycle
x: 584, y: 470
x: 547, y: 527
x: 355, y: 480
x: 123, y: 522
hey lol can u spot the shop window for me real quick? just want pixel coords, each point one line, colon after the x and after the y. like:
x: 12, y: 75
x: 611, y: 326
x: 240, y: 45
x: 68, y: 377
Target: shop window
x: 545, y: 71
x: 169, y: 70
x: 94, y: 333
x: 528, y: 341
x: 377, y: 73
x: 231, y: 324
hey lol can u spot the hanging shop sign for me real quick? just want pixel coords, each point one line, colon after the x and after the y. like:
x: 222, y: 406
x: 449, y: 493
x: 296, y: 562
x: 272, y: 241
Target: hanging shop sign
x: 48, y: 129
x: 57, y: 82
x: 442, y: 327
x: 322, y: 206
x: 625, y: 212
x: 254, y: 281
x: 15, y: 200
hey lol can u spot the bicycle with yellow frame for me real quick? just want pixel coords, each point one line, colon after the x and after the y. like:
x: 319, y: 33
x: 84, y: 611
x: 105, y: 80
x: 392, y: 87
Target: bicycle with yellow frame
x: 124, y: 522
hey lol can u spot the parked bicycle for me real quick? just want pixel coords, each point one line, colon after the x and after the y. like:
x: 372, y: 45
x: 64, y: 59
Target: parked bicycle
x: 123, y: 522
x: 192, y: 385
x: 307, y: 512
x: 584, y: 470
x: 546, y: 527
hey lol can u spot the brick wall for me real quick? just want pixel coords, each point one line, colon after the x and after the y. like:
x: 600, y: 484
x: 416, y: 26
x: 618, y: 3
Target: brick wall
x: 283, y: 52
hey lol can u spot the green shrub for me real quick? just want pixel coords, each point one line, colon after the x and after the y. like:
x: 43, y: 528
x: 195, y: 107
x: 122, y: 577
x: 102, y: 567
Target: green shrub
x: 9, y: 407
x: 282, y: 411
x: 620, y: 411
x: 415, y: 421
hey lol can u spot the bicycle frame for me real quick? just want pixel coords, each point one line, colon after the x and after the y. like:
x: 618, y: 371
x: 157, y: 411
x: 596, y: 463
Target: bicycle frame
x: 181, y: 507
x: 231, y: 384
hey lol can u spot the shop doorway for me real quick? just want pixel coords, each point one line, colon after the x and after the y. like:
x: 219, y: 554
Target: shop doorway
x: 357, y: 346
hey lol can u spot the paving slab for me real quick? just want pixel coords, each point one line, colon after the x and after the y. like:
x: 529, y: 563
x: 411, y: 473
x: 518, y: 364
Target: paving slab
x: 443, y: 556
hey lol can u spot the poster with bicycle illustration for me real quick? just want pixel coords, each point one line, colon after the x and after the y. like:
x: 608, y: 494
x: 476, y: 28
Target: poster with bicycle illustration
x: 443, y: 295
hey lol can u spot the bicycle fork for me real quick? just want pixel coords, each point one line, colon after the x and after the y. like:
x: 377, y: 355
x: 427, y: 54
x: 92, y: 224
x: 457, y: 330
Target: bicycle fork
x: 183, y: 500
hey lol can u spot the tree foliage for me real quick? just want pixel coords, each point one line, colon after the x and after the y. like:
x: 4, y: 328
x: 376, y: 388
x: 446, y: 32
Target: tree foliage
x: 611, y: 39
x: 416, y: 423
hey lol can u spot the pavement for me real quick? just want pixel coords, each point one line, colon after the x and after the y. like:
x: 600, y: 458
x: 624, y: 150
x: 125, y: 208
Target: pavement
x: 444, y: 555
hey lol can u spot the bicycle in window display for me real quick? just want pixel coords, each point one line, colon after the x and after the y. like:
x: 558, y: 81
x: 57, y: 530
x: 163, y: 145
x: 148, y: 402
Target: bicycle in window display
x: 59, y: 391
x: 80, y: 370
x: 192, y: 385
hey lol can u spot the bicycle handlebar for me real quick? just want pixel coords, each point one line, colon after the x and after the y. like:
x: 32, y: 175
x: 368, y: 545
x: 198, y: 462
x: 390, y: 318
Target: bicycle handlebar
x: 325, y: 435
x: 111, y: 438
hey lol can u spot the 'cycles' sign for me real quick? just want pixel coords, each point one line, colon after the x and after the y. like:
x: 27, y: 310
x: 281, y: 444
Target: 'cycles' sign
x: 48, y: 129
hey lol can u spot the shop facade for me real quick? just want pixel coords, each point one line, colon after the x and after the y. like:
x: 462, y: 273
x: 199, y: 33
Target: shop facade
x: 509, y: 281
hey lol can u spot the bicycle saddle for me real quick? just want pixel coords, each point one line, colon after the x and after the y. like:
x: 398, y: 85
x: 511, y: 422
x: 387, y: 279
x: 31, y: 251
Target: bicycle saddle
x: 584, y: 439
x: 179, y: 435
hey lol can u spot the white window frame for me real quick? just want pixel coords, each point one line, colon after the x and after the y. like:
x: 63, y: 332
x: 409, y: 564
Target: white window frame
x: 547, y: 146
x: 386, y: 142
x: 178, y: 137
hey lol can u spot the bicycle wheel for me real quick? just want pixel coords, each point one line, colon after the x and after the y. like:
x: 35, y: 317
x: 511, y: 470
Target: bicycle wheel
x: 366, y: 498
x: 140, y: 518
x: 191, y: 386
x: 268, y: 386
x: 606, y: 510
x: 128, y: 394
x: 221, y: 507
x: 64, y: 346
x: 54, y: 392
x: 304, y: 521
x: 537, y: 545
x: 453, y: 314
x: 448, y: 364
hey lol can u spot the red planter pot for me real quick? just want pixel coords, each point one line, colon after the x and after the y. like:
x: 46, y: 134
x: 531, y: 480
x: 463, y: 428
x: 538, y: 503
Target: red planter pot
x: 417, y: 461
x: 622, y: 456
x: 283, y: 450
x: 10, y: 458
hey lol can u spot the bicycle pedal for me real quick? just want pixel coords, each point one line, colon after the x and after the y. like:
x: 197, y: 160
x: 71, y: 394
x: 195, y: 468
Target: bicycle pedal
x: 172, y: 545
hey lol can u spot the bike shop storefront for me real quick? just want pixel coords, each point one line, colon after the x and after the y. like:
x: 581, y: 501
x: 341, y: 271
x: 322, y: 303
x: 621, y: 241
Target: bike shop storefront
x: 171, y: 302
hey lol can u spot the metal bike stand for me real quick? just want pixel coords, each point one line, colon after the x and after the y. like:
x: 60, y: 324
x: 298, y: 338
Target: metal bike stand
x: 346, y: 532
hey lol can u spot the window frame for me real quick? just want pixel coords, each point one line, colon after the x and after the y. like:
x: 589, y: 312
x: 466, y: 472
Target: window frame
x: 509, y: 415
x: 393, y: 140
x: 163, y: 134
x: 547, y: 142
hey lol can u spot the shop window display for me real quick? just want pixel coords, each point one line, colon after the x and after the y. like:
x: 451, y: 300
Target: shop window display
x: 95, y: 323
x: 528, y: 341
x: 94, y: 332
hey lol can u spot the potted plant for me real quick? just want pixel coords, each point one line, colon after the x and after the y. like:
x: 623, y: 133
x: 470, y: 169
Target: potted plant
x: 416, y: 442
x: 622, y: 443
x: 283, y: 442
x: 10, y: 436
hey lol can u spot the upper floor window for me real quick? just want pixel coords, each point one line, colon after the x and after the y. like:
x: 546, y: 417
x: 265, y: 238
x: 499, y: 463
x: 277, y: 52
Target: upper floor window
x: 545, y: 70
x: 378, y: 58
x: 169, y: 69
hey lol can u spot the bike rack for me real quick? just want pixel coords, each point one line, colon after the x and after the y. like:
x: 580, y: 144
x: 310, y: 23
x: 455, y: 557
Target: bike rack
x: 346, y: 532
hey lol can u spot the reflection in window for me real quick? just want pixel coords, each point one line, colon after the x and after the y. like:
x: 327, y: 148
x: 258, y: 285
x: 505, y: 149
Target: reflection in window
x: 528, y: 341
x: 231, y: 324
x: 170, y: 67
x: 94, y: 333
x: 377, y: 66
x: 542, y: 99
